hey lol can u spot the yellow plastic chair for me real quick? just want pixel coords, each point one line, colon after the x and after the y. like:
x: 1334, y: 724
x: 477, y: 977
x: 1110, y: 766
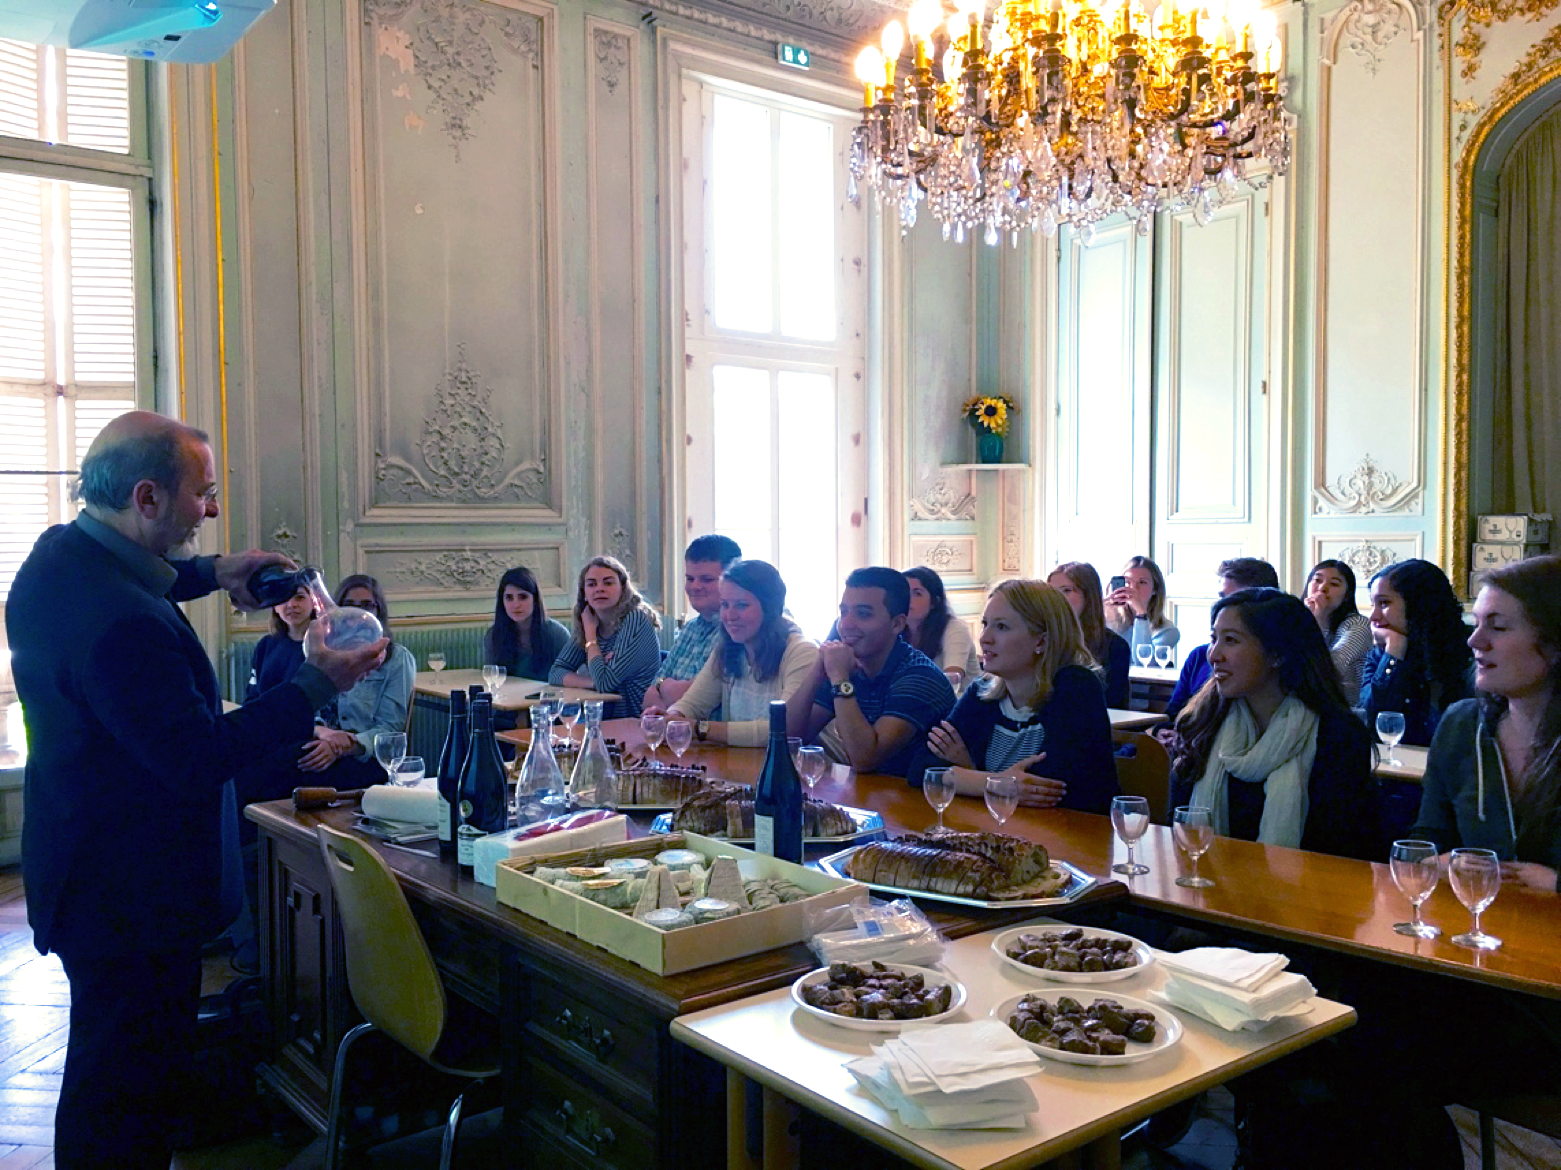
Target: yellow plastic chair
x: 1146, y: 773
x: 393, y: 980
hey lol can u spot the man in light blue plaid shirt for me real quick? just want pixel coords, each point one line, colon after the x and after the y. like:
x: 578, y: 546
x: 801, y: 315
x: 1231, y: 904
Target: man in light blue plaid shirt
x: 705, y: 559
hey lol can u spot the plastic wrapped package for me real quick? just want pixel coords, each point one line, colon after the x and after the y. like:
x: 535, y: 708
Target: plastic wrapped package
x: 866, y: 929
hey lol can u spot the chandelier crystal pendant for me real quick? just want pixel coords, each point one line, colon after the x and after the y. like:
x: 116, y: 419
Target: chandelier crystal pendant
x: 1069, y: 111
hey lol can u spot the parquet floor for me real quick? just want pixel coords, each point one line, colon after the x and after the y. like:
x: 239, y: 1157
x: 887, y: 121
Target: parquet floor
x: 34, y: 1013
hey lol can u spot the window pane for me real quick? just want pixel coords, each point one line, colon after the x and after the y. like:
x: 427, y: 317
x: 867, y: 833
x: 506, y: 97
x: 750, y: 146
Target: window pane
x: 806, y: 194
x: 741, y: 410
x: 102, y: 283
x: 24, y: 499
x: 92, y: 415
x: 808, y: 499
x: 21, y: 108
x: 740, y: 216
x: 97, y: 101
x: 22, y: 302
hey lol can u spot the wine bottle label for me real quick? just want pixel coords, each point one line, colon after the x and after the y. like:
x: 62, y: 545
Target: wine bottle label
x: 445, y: 824
x: 764, y: 835
x: 466, y: 845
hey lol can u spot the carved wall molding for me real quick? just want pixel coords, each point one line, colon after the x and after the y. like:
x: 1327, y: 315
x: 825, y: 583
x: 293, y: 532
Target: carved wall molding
x: 620, y: 544
x: 947, y: 555
x: 612, y: 57
x: 462, y: 448
x: 1011, y: 559
x: 449, y: 48
x: 421, y: 571
x: 284, y: 539
x: 1369, y: 27
x: 460, y: 570
x: 940, y: 500
x: 1367, y: 490
x: 1367, y: 559
x: 1366, y: 554
x: 833, y: 28
x: 1479, y: 15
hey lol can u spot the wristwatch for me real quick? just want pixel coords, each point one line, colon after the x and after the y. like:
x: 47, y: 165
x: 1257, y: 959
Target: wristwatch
x: 702, y: 730
x: 843, y: 690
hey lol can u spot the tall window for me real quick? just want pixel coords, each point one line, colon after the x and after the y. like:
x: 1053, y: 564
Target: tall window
x: 775, y: 300
x: 74, y: 277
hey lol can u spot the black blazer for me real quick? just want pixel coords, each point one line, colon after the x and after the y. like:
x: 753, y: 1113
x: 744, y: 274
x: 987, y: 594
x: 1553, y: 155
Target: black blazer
x: 129, y: 753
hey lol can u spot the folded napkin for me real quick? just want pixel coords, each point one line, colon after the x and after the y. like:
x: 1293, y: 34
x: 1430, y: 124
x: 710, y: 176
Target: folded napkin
x: 414, y: 806
x: 957, y: 1058
x: 1232, y: 1008
x: 1225, y: 965
x: 1001, y: 1106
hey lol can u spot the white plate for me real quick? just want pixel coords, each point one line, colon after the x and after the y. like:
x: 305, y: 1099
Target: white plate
x: 1146, y: 956
x: 1168, y: 1029
x: 932, y: 978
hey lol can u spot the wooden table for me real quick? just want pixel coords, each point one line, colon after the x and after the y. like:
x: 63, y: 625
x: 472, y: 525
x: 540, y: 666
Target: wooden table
x: 1133, y: 720
x: 1162, y: 676
x: 1411, y: 763
x: 767, y: 1038
x: 514, y: 694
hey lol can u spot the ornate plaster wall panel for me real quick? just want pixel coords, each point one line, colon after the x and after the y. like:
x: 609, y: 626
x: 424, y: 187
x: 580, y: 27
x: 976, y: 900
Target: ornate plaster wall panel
x: 415, y: 571
x: 617, y: 362
x: 1371, y: 383
x: 944, y: 495
x: 459, y: 226
x: 1369, y: 554
x: 833, y: 29
x: 946, y: 555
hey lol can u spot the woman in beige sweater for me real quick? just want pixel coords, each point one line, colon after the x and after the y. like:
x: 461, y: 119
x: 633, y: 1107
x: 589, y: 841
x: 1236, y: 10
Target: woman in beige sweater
x: 761, y: 656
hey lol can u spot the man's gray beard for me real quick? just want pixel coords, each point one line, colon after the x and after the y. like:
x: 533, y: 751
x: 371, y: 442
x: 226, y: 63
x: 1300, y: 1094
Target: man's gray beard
x: 186, y: 551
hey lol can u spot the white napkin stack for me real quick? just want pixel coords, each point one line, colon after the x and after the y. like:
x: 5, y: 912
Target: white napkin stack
x: 1233, y: 988
x: 957, y: 1076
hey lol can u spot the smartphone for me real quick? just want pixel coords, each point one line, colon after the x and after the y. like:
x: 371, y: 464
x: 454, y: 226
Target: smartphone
x: 1117, y: 582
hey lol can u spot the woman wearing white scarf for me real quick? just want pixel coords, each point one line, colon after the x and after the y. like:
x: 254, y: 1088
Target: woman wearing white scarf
x: 1268, y: 743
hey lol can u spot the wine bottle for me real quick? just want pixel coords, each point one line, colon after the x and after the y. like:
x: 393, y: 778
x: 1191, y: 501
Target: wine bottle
x: 452, y: 757
x: 482, y: 798
x: 273, y: 584
x: 344, y: 627
x: 777, y: 800
x: 540, y: 777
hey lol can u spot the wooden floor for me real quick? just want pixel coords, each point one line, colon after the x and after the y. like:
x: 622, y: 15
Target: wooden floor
x: 34, y: 1014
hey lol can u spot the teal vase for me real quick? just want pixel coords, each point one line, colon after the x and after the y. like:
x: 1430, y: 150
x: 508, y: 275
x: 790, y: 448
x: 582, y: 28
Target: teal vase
x: 989, y: 447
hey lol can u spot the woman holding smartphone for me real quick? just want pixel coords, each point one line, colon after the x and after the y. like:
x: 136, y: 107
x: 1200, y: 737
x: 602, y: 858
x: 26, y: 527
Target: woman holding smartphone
x: 1135, y: 606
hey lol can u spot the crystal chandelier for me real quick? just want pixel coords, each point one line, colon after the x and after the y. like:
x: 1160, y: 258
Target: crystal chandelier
x: 1068, y: 111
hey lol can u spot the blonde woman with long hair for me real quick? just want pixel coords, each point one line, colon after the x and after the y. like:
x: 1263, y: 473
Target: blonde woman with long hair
x: 613, y: 648
x: 1038, y: 713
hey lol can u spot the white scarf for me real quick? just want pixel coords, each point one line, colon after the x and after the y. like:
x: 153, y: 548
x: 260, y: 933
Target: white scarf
x: 1280, y: 759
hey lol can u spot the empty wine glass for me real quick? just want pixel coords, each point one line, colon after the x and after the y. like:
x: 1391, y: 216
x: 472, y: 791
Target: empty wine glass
x: 569, y: 713
x: 1414, y: 869
x: 1130, y: 819
x: 436, y: 662
x: 793, y: 747
x: 937, y: 785
x: 1193, y: 828
x: 409, y: 772
x: 680, y: 735
x: 390, y: 748
x: 655, y: 729
x: 1002, y: 797
x: 812, y: 766
x: 1144, y: 652
x: 1162, y: 657
x: 1390, y: 726
x: 1475, y: 875
x: 493, y: 677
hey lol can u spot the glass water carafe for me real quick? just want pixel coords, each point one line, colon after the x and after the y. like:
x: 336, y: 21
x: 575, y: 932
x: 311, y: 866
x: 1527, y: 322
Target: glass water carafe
x: 594, y: 782
x: 540, y: 784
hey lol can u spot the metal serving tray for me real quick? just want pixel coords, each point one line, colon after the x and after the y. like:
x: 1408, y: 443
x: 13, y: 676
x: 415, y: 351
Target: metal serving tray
x: 1079, y: 883
x: 868, y: 825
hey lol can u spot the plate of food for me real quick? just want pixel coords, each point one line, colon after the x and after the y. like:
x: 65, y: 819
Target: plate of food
x: 878, y: 997
x: 991, y: 871
x: 1103, y: 1032
x: 1073, y: 954
x: 726, y: 811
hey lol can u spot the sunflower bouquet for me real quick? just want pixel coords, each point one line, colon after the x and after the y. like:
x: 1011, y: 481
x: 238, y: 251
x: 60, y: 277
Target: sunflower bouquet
x: 990, y: 412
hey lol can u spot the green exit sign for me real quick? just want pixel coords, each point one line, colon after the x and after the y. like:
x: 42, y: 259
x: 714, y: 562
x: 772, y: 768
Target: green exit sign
x: 794, y: 55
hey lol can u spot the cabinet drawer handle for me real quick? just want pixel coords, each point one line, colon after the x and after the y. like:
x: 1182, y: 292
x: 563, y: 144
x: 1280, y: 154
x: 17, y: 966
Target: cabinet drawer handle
x: 583, y: 1033
x: 586, y: 1127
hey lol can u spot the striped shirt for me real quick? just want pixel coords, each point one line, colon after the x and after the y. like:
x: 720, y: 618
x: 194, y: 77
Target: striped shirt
x: 910, y: 687
x: 1017, y: 735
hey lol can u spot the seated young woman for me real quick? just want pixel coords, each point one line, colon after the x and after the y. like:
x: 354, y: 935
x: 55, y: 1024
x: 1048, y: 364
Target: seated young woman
x: 281, y: 652
x: 1420, y: 663
x: 1268, y: 743
x: 935, y: 631
x: 1330, y: 595
x: 1039, y: 713
x: 1079, y: 585
x: 760, y: 656
x: 1493, y: 775
x: 1136, y: 611
x: 344, y: 742
x: 523, y: 639
x: 614, y: 648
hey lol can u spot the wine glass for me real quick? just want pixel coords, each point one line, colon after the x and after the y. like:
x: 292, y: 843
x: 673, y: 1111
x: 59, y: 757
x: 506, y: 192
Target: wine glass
x: 793, y: 747
x: 811, y: 766
x: 569, y: 713
x: 436, y: 662
x: 409, y: 772
x: 1193, y: 828
x: 1475, y: 875
x: 1162, y: 657
x: 390, y: 748
x: 1414, y: 869
x: 493, y: 676
x: 1130, y: 819
x: 1144, y: 652
x: 655, y: 729
x: 1002, y: 797
x: 1390, y: 726
x: 680, y: 735
x: 937, y: 785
